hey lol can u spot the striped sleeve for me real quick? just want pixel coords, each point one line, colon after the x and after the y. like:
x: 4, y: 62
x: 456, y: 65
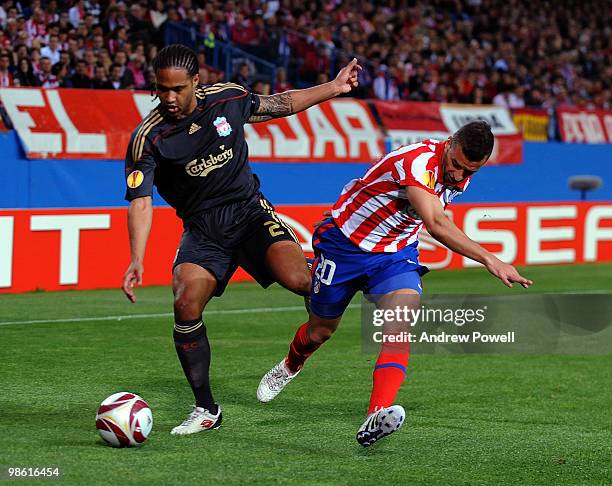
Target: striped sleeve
x: 417, y: 168
x: 246, y: 101
x: 139, y: 159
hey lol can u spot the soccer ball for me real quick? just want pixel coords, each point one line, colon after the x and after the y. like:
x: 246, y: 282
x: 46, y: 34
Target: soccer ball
x: 124, y: 420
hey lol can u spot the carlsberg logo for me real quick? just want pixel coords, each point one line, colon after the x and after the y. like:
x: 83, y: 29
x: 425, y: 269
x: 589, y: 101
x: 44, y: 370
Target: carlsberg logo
x: 202, y: 167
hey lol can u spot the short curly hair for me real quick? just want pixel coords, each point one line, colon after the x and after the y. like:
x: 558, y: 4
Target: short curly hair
x: 476, y: 140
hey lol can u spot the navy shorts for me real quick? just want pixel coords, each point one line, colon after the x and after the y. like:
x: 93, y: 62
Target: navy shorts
x: 237, y: 234
x: 341, y: 269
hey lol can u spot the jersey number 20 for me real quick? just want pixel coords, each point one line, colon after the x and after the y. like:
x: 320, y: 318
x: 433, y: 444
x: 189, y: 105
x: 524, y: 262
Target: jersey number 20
x: 325, y: 271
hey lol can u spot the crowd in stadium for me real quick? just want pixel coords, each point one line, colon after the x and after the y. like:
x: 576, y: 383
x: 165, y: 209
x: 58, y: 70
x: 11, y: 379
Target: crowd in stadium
x: 513, y: 53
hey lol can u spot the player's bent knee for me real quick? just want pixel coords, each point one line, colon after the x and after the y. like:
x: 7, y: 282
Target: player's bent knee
x: 193, y: 287
x: 296, y: 282
x: 299, y: 283
x: 186, y: 308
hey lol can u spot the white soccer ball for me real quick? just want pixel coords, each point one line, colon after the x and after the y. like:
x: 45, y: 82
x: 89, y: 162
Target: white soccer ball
x: 124, y: 419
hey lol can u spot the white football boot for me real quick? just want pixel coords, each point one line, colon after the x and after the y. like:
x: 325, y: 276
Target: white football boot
x: 380, y: 424
x: 274, y: 381
x: 197, y: 421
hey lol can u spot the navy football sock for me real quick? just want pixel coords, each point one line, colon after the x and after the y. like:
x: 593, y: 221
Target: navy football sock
x: 193, y: 352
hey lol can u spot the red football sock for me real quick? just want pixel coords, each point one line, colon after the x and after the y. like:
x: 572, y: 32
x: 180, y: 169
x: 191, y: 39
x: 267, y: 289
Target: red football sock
x: 300, y: 348
x: 388, y: 376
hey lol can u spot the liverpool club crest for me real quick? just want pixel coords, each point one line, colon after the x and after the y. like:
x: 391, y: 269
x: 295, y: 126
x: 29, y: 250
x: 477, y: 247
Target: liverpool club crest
x: 222, y: 126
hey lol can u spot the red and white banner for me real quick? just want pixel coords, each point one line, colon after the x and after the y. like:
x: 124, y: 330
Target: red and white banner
x: 88, y: 248
x: 412, y: 121
x: 97, y: 124
x: 585, y: 126
x: 339, y: 130
x: 74, y: 123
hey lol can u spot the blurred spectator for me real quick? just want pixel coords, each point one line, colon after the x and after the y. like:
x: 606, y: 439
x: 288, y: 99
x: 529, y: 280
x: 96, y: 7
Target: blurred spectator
x: 127, y: 78
x: 211, y: 72
x: 150, y: 76
x: 100, y: 80
x: 158, y: 14
x: 384, y: 85
x: 77, y: 12
x: 510, y: 98
x: 6, y: 76
x: 316, y: 60
x: 322, y: 78
x: 281, y: 83
x: 24, y: 76
x: 136, y: 68
x: 118, y: 39
x: 243, y: 75
x: 116, y: 79
x: 261, y: 87
x: 80, y: 78
x: 52, y: 50
x: 97, y: 43
x: 139, y: 28
x: 35, y: 59
x: 95, y: 9
x: 204, y: 76
x: 90, y: 59
x: 5, y: 42
x: 45, y: 76
x: 62, y: 74
x: 36, y: 26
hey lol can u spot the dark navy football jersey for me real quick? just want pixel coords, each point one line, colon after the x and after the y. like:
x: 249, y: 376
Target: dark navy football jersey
x: 197, y: 162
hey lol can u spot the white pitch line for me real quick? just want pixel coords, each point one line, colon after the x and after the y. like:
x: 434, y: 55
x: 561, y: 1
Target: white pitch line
x: 255, y: 310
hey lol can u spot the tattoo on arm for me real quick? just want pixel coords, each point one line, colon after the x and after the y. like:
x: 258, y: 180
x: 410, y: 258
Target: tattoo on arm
x: 273, y: 106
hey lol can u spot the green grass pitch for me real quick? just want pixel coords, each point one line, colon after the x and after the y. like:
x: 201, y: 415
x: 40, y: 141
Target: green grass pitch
x: 471, y: 419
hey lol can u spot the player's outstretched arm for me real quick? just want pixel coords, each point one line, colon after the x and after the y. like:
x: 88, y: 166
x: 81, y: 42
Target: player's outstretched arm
x: 140, y: 217
x: 296, y: 100
x: 446, y: 232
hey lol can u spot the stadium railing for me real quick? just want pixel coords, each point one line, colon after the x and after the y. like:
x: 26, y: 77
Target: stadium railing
x: 221, y: 55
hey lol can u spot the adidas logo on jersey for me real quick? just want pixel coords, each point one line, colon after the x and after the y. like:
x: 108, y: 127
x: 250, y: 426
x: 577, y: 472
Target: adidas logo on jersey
x: 194, y: 128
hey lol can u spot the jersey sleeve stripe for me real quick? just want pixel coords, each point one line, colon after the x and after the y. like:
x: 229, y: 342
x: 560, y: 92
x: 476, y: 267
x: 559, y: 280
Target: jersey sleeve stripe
x: 218, y: 88
x: 142, y: 125
x: 143, y: 135
x: 152, y: 115
x: 382, y: 165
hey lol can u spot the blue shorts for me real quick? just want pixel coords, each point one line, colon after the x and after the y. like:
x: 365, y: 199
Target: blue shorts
x: 341, y: 269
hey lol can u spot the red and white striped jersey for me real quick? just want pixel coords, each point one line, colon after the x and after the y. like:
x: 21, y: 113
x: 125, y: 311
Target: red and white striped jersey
x: 374, y: 211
